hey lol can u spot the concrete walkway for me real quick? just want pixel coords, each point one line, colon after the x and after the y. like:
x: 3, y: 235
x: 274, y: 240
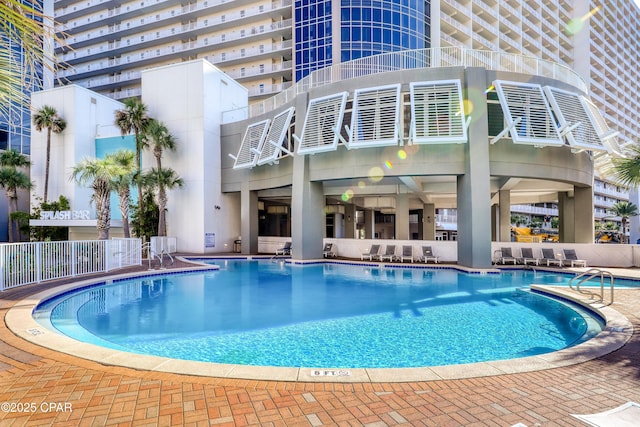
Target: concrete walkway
x: 43, y: 387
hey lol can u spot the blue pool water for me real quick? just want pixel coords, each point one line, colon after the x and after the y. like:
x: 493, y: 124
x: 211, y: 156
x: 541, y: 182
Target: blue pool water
x: 323, y: 315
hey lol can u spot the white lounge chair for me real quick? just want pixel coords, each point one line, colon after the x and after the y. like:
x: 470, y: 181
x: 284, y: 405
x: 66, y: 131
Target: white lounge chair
x: 506, y: 256
x: 327, y: 251
x: 285, y: 250
x: 428, y: 255
x: 571, y: 259
x: 389, y: 254
x: 527, y: 257
x: 372, y: 253
x: 549, y: 258
x: 407, y: 253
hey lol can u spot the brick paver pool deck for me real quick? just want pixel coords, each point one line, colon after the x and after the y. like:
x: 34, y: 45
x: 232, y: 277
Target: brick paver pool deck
x: 39, y: 386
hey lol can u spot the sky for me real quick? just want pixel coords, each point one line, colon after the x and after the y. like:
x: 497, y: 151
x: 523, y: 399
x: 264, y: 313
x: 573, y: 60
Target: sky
x: 637, y: 2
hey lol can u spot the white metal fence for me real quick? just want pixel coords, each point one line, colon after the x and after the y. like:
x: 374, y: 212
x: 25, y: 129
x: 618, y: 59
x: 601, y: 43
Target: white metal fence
x: 414, y: 59
x: 24, y: 263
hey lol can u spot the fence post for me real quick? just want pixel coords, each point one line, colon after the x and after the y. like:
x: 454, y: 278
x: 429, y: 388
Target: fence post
x: 39, y: 262
x: 73, y: 259
x: 106, y: 250
x: 2, y: 262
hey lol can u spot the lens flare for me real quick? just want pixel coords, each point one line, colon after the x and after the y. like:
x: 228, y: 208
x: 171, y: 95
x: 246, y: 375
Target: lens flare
x: 347, y: 195
x: 489, y: 89
x: 411, y: 149
x: 402, y: 154
x: 376, y: 174
x: 362, y: 184
x: 467, y: 105
x: 388, y: 164
x: 576, y: 24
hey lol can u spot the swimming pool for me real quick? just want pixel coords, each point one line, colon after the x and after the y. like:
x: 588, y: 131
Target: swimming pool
x: 325, y: 315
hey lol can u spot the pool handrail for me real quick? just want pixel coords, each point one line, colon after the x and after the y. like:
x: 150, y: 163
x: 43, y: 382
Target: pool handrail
x: 592, y: 273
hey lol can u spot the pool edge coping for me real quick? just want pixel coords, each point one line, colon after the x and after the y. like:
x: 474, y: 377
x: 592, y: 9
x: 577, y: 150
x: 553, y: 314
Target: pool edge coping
x: 19, y: 320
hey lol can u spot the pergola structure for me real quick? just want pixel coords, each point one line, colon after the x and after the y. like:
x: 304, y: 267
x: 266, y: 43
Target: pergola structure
x: 402, y: 135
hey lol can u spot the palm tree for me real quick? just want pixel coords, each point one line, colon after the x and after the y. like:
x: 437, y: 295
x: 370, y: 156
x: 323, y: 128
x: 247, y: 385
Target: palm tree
x: 47, y: 118
x: 98, y: 174
x: 122, y: 184
x: 162, y: 180
x: 624, y: 210
x: 28, y: 27
x: 160, y: 139
x: 134, y: 118
x: 627, y: 169
x: 12, y: 180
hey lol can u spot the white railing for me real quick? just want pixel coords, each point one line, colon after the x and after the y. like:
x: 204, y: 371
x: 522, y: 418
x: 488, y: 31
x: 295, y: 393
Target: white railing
x: 35, y: 262
x: 416, y: 59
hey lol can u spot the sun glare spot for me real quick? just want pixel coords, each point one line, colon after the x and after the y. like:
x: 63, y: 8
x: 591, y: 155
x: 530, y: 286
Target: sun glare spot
x: 376, y: 174
x: 347, y: 195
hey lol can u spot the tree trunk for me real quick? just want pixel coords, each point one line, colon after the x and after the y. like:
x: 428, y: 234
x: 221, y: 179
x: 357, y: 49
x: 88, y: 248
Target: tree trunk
x: 162, y: 207
x: 103, y: 210
x: 139, y: 174
x: 46, y: 167
x: 124, y: 211
x: 157, y: 152
x: 10, y: 224
x: 16, y: 224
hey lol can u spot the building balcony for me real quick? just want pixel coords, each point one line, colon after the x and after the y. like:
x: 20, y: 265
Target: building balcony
x: 610, y: 190
x: 268, y: 90
x: 484, y: 43
x: 184, y: 50
x: 116, y: 27
x: 484, y: 8
x: 267, y: 70
x: 534, y: 210
x: 185, y: 31
x: 454, y: 25
x: 452, y: 7
x: 533, y: 42
x: 129, y: 78
x: 66, y: 13
x: 508, y: 40
x: 530, y: 12
x: 125, y: 93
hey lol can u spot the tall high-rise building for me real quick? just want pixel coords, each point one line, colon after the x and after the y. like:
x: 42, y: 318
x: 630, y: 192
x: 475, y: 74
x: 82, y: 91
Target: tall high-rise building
x: 327, y: 32
x: 597, y: 39
x: 110, y: 43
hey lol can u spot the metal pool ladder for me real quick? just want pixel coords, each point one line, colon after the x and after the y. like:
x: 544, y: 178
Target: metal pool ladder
x: 593, y: 273
x: 152, y: 254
